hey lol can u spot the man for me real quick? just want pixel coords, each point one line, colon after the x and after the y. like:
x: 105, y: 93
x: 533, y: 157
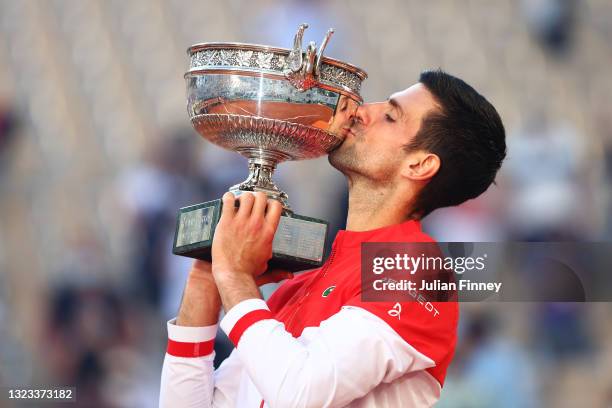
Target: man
x: 316, y: 343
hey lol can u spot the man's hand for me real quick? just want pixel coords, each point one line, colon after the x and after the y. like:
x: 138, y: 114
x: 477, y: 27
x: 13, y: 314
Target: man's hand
x: 242, y: 245
x: 243, y: 237
x: 202, y: 270
x: 273, y: 276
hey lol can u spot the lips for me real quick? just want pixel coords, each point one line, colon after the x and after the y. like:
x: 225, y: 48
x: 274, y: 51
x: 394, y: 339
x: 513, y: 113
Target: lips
x: 343, y: 132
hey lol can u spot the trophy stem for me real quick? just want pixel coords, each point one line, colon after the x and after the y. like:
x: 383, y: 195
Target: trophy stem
x: 261, y: 169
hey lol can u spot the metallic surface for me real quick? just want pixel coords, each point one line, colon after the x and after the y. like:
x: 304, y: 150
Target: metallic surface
x: 273, y: 60
x: 271, y: 104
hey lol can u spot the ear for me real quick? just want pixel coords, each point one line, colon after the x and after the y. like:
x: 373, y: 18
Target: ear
x: 420, y: 165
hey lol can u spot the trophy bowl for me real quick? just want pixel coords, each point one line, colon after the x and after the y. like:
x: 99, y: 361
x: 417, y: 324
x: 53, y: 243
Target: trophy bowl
x: 270, y: 105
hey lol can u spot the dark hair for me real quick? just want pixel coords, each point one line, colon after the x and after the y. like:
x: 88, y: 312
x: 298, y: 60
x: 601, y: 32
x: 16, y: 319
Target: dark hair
x: 468, y: 136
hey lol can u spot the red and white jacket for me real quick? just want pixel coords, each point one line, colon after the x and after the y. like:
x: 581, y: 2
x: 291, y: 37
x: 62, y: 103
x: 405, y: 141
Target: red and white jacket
x: 315, y: 343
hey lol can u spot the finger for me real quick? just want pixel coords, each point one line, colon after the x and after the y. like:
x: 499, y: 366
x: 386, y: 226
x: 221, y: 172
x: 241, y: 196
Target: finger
x: 229, y: 209
x: 264, y: 280
x: 273, y: 214
x: 273, y: 277
x: 246, y: 204
x: 283, y: 274
x: 259, y: 207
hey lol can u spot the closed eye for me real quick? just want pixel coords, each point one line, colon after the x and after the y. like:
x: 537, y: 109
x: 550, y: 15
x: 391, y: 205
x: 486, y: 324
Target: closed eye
x: 388, y: 118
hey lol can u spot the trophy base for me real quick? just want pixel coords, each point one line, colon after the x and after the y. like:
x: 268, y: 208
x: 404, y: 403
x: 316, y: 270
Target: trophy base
x: 298, y: 244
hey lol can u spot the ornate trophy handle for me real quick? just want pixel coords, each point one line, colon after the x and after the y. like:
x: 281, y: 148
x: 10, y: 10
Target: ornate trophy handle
x: 295, y: 60
x: 328, y: 35
x: 303, y: 72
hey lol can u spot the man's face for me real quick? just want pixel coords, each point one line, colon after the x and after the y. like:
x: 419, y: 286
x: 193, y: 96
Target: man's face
x: 373, y: 147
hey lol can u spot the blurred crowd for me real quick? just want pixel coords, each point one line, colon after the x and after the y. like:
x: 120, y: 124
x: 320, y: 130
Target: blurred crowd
x: 97, y: 156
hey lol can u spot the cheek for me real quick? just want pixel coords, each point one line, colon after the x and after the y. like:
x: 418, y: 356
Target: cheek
x: 383, y: 157
x: 385, y: 139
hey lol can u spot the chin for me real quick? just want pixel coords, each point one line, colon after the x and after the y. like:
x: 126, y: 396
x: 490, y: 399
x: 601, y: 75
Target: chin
x: 343, y: 158
x: 334, y: 157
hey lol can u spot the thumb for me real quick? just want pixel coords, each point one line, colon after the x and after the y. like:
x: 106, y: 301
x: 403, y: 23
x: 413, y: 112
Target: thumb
x: 273, y: 276
x: 281, y: 274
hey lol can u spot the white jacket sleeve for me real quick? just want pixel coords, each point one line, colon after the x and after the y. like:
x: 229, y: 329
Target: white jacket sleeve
x: 188, y: 378
x: 327, y: 366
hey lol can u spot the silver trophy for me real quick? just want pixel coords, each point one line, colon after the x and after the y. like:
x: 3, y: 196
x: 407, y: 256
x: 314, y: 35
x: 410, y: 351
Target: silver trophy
x: 270, y: 105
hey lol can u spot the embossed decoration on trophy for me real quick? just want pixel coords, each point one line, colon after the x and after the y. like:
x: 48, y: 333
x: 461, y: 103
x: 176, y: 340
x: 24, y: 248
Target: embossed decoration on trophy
x: 270, y: 105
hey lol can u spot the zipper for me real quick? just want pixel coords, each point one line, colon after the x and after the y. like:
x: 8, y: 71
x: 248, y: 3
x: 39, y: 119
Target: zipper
x: 320, y: 275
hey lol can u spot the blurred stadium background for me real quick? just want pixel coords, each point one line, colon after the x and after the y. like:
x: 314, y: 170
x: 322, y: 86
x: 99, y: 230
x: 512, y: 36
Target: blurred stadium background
x: 96, y: 156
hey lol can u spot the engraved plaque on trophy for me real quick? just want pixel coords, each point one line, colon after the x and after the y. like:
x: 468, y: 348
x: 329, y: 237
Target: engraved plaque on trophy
x: 270, y: 105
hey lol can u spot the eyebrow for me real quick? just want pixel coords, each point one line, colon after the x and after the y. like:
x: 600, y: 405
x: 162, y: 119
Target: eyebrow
x: 393, y: 102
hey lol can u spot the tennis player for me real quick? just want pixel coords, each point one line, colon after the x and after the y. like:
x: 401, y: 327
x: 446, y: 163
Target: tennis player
x: 315, y: 343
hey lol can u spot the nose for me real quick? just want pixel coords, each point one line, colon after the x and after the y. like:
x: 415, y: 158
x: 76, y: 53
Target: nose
x: 361, y: 115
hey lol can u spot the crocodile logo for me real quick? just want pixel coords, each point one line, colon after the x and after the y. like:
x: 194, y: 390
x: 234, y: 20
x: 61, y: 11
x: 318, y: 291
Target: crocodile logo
x: 327, y: 291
